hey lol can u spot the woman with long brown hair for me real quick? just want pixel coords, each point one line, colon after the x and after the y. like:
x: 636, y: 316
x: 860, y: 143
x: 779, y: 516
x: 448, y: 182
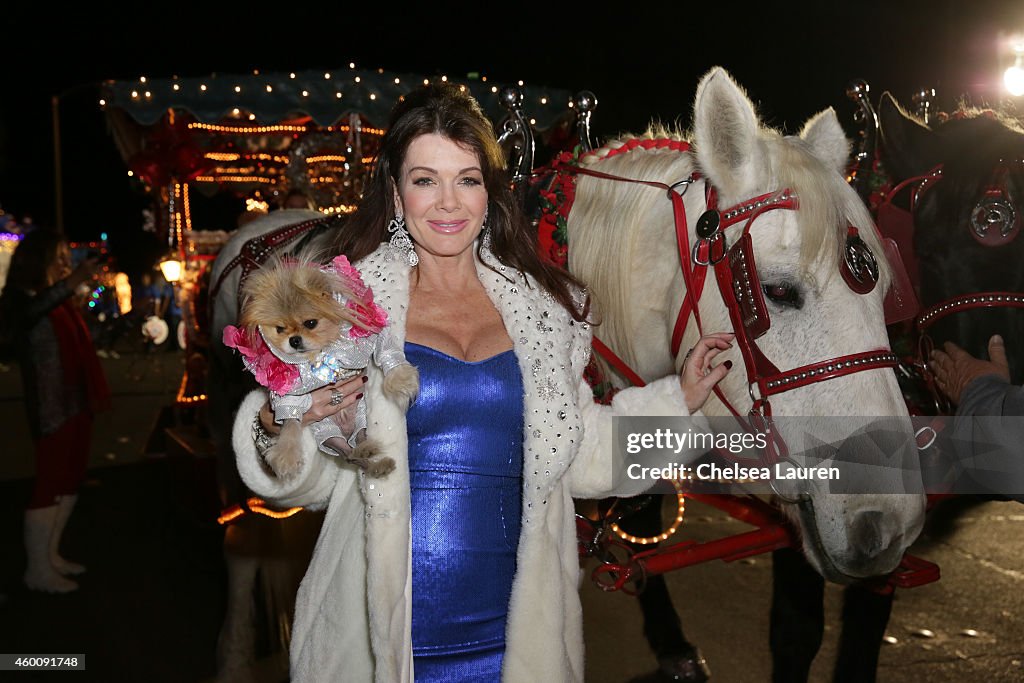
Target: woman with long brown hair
x: 64, y: 387
x: 461, y: 563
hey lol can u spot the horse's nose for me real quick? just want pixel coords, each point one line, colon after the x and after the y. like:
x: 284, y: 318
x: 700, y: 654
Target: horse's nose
x: 295, y: 342
x: 869, y: 536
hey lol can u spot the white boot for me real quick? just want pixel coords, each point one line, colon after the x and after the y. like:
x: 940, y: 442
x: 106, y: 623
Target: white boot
x: 40, y: 574
x: 64, y: 506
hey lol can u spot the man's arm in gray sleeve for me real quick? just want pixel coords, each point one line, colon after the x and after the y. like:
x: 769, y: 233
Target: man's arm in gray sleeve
x: 989, y: 434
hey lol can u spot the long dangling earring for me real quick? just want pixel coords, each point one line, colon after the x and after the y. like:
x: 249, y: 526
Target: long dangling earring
x: 400, y: 246
x: 485, y: 237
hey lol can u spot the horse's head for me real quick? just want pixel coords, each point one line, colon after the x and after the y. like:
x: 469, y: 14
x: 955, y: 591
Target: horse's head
x: 811, y: 312
x: 815, y: 314
x: 966, y: 192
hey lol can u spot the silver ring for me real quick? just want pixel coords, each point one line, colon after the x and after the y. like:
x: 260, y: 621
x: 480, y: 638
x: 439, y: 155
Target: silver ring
x: 336, y: 397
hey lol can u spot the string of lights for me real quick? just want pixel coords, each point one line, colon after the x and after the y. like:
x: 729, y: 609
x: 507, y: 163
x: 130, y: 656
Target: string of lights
x: 668, y: 532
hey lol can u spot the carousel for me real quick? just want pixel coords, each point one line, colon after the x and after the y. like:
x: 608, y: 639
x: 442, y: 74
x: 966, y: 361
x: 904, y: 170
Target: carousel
x: 260, y: 137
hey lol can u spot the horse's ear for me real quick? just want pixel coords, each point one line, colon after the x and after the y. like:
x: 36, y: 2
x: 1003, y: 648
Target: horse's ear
x: 825, y: 135
x: 909, y: 148
x: 726, y: 133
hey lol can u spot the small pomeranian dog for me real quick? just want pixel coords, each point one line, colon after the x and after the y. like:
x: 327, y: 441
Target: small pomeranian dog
x: 304, y: 325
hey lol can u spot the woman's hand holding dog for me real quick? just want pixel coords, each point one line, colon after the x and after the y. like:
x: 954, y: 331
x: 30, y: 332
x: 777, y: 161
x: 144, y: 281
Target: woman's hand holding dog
x: 324, y: 403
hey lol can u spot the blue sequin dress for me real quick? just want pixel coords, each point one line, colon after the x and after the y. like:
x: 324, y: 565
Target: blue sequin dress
x: 465, y: 467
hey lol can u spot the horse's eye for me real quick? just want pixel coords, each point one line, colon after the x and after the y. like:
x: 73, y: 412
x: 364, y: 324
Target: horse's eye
x: 784, y: 295
x: 310, y: 324
x: 280, y: 329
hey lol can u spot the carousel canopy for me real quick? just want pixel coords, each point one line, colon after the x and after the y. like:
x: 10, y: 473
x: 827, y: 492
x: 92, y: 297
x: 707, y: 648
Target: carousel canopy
x: 326, y: 97
x: 264, y: 134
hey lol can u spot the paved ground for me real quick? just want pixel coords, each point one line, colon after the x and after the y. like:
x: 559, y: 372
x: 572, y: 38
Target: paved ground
x: 152, y: 603
x: 725, y: 607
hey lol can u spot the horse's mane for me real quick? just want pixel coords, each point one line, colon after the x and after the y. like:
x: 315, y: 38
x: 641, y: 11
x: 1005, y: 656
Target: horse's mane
x: 620, y: 214
x: 616, y: 214
x: 972, y: 143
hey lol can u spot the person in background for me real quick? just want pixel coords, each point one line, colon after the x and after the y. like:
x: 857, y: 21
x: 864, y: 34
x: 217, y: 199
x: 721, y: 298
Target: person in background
x: 109, y: 323
x: 146, y: 303
x: 64, y: 387
x: 982, y: 392
x: 167, y: 308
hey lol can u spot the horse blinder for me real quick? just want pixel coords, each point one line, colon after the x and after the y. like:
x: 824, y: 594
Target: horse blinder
x: 859, y: 267
x: 859, y: 270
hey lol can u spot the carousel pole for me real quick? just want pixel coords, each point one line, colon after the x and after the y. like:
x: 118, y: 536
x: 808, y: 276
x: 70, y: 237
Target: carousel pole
x: 57, y: 172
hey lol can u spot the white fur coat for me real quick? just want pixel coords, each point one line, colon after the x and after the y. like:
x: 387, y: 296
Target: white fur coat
x: 353, y: 609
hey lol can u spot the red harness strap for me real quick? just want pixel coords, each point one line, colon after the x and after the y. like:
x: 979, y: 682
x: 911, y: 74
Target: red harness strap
x: 694, y: 276
x: 255, y: 251
x: 617, y: 363
x: 967, y: 302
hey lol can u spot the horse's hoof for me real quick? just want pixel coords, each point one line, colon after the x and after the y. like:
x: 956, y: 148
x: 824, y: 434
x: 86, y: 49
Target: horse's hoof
x: 690, y: 667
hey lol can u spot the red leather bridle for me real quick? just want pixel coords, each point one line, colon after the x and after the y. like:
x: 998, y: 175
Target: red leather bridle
x: 740, y: 288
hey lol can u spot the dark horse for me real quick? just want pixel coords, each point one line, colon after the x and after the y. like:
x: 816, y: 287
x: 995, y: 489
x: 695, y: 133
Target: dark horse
x: 966, y: 218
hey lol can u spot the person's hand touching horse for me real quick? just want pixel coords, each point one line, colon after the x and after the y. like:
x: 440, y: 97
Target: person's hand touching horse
x: 698, y: 376
x: 954, y: 369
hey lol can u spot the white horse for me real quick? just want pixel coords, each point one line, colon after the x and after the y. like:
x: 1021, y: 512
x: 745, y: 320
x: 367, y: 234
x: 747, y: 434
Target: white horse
x: 622, y: 242
x: 256, y: 549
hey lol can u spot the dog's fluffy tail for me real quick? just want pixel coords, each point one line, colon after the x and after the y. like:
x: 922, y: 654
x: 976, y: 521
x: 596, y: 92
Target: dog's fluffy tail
x: 402, y: 384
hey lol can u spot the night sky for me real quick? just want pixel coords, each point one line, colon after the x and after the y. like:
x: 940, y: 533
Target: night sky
x: 794, y: 60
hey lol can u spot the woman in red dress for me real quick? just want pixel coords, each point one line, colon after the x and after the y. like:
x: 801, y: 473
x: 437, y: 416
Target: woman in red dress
x: 64, y: 387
